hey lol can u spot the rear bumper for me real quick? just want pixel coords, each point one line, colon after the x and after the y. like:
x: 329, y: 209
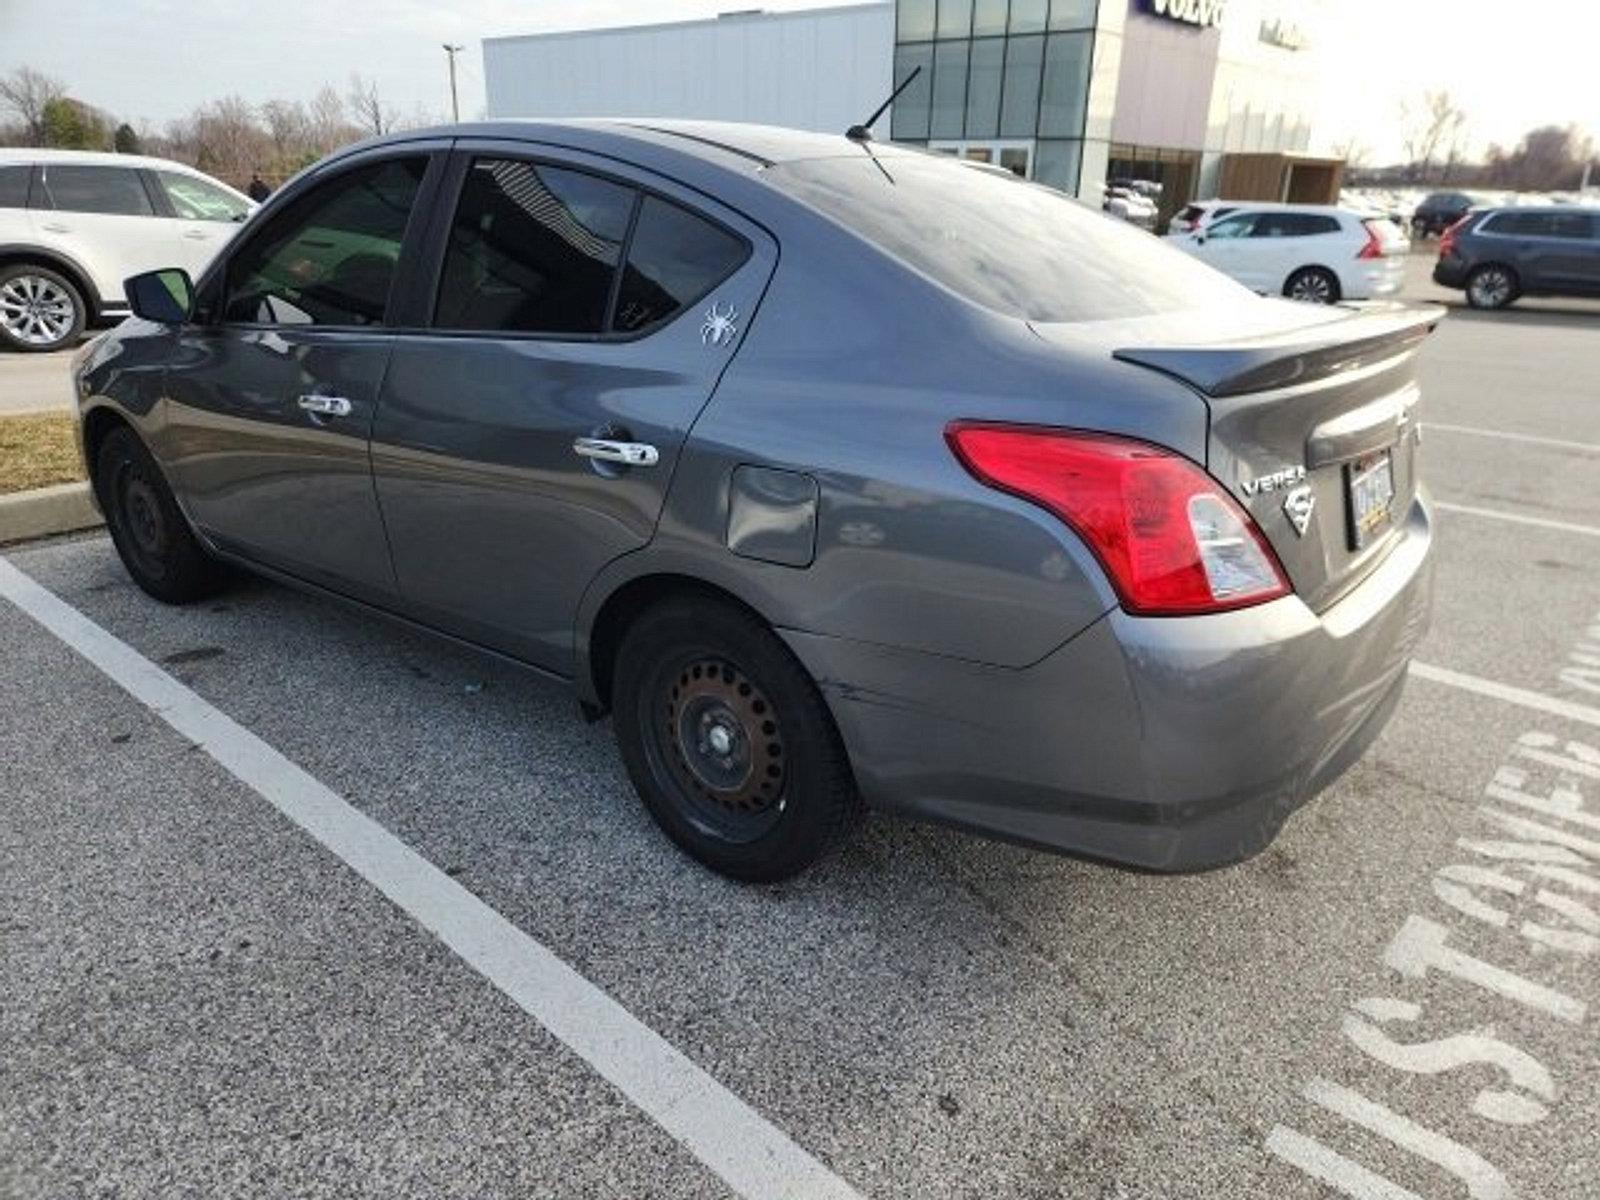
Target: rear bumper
x: 1450, y: 272
x: 1175, y: 744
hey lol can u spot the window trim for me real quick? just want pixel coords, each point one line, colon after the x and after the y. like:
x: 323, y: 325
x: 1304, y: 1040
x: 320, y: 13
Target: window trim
x: 430, y: 266
x: 214, y: 289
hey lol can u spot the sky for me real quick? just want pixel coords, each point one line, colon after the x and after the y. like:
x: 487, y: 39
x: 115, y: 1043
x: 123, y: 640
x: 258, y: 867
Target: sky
x: 157, y: 59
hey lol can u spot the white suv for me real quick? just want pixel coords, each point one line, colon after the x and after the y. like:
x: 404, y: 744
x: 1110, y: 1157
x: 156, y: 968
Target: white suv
x: 1319, y: 253
x: 74, y: 225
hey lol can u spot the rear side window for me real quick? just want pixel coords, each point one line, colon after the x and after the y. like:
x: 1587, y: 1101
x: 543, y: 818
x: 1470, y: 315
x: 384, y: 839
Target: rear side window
x: 330, y: 259
x: 14, y: 186
x: 533, y: 249
x: 674, y: 258
x: 1017, y: 248
x: 113, y: 190
x: 1232, y: 227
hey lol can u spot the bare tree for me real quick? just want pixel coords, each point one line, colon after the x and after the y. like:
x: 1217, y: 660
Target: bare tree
x: 1437, y: 122
x: 27, y: 93
x: 368, y: 108
x: 1355, y: 152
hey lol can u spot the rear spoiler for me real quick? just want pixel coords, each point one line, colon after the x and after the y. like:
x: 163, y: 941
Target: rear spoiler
x: 1296, y: 356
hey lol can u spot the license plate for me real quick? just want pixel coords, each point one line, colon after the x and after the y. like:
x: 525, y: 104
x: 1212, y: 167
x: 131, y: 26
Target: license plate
x: 1371, y: 486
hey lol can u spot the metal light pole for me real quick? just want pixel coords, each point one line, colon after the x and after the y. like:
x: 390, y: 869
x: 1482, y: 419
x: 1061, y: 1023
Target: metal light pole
x: 455, y: 101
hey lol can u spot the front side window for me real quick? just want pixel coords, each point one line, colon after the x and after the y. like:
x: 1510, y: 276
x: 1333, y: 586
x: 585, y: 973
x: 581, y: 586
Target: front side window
x: 1232, y: 227
x: 331, y: 258
x: 116, y: 191
x: 533, y: 249
x: 196, y: 199
x: 674, y: 258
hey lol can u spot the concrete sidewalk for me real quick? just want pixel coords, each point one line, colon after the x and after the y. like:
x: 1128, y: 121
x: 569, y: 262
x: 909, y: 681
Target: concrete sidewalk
x: 35, y: 382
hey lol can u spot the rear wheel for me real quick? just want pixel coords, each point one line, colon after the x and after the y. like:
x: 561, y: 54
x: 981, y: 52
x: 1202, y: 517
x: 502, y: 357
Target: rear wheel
x: 40, y: 309
x: 150, y: 532
x: 728, y: 741
x: 1491, y: 286
x: 1314, y: 285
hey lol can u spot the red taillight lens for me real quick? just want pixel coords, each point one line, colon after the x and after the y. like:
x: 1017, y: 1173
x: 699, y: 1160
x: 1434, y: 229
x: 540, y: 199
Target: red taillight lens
x: 1447, y: 239
x: 1374, y: 244
x: 1170, y: 539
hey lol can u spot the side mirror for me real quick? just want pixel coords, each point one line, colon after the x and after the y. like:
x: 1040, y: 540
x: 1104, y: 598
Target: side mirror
x: 166, y: 296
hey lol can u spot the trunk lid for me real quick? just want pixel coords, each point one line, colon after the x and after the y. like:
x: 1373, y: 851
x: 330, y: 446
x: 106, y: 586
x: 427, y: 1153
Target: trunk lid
x: 1310, y: 422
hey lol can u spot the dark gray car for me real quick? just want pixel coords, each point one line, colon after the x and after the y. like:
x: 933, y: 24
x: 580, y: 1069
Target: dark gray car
x: 832, y: 471
x: 1501, y: 253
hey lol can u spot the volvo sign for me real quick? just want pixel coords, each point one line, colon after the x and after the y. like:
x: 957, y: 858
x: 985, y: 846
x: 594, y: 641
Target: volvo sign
x: 1202, y: 13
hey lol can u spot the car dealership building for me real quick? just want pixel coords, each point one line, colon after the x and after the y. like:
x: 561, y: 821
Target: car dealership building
x: 1207, y: 97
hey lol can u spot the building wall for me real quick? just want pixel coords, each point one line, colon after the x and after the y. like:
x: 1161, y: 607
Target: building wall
x: 818, y: 69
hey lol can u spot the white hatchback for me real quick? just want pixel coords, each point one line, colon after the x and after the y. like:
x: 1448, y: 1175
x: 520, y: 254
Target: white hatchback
x: 1308, y: 252
x: 74, y: 225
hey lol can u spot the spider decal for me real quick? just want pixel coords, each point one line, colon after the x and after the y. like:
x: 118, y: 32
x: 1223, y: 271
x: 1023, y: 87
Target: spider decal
x: 719, y: 328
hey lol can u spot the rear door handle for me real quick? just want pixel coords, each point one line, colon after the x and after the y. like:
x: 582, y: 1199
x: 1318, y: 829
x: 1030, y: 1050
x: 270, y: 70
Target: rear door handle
x: 197, y: 235
x: 53, y: 227
x: 629, y: 454
x: 325, y: 406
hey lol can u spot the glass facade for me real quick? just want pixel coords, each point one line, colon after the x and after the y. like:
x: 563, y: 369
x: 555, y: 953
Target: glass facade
x: 997, y: 71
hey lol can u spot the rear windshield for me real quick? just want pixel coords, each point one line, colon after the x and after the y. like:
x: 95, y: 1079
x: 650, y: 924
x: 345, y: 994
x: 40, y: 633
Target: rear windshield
x: 1018, y: 248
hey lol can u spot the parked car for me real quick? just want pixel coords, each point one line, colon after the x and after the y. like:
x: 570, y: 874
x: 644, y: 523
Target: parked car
x: 1127, y: 204
x: 1307, y: 252
x: 1502, y: 253
x: 1437, y: 212
x: 74, y: 225
x: 832, y: 471
x: 1191, y: 217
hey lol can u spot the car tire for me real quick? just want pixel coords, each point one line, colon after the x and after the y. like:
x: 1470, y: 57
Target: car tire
x: 40, y: 310
x: 728, y: 741
x: 148, y: 529
x: 1314, y: 285
x: 1492, y: 286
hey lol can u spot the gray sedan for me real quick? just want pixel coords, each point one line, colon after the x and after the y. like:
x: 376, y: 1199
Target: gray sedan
x: 833, y: 472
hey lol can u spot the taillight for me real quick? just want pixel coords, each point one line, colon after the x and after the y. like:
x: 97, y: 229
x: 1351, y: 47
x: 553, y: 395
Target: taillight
x: 1374, y: 246
x: 1447, y: 239
x: 1170, y: 539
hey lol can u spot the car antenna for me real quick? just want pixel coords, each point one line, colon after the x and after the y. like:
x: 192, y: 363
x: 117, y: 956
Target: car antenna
x: 863, y: 132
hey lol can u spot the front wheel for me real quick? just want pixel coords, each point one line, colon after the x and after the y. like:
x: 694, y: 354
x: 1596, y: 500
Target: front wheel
x: 150, y: 532
x: 728, y: 741
x: 40, y: 309
x: 1492, y: 286
x: 1312, y: 285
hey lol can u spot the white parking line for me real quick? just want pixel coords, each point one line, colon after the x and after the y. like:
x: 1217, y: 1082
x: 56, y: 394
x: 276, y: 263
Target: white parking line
x: 1502, y: 436
x: 751, y: 1155
x: 1517, y: 518
x: 1537, y: 701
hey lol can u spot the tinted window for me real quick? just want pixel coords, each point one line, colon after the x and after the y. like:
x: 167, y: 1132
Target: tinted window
x: 533, y: 249
x: 1014, y: 247
x: 1231, y: 227
x: 674, y: 259
x: 1285, y: 224
x: 330, y: 259
x: 14, y: 186
x: 116, y: 190
x: 196, y: 199
x: 1540, y: 224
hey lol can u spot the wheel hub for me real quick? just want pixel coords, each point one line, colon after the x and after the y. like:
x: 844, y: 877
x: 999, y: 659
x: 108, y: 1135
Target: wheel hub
x: 725, y: 742
x: 35, y: 310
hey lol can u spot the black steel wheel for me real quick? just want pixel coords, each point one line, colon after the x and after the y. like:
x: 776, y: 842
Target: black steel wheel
x: 728, y: 741
x: 149, y: 531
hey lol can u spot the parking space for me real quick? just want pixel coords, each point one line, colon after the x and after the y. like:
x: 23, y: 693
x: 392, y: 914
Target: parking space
x: 200, y: 997
x: 31, y: 383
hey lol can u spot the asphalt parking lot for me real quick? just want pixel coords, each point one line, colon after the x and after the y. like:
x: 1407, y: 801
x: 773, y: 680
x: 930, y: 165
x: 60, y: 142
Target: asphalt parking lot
x: 221, y: 978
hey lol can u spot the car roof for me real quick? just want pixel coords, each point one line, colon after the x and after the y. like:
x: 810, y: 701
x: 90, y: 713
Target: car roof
x: 98, y: 158
x: 758, y: 145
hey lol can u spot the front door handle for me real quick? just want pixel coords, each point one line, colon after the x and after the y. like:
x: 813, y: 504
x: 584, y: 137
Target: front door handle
x: 628, y: 454
x: 197, y: 235
x: 56, y: 227
x: 325, y: 406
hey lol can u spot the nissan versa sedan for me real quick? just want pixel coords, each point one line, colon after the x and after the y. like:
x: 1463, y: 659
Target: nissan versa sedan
x: 835, y: 473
